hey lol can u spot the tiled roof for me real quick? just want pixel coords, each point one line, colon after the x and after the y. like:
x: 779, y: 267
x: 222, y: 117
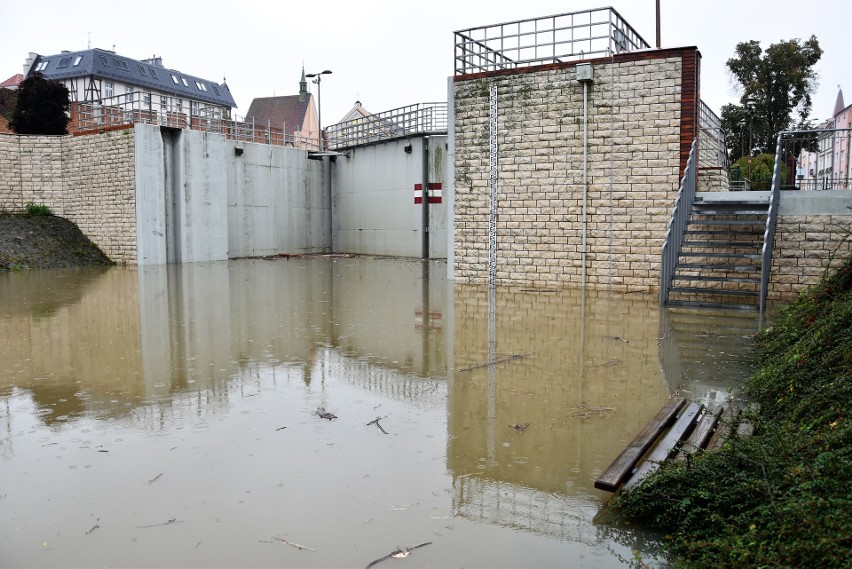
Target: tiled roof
x: 4, y: 126
x: 12, y: 81
x: 288, y: 111
x: 109, y: 65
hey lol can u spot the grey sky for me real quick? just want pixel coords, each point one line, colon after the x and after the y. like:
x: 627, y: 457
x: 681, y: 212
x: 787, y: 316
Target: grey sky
x: 391, y: 54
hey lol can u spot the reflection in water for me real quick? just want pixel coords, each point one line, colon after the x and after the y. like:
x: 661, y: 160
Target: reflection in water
x: 210, y: 374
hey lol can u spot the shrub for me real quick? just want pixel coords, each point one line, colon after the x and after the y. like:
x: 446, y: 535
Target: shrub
x: 37, y: 209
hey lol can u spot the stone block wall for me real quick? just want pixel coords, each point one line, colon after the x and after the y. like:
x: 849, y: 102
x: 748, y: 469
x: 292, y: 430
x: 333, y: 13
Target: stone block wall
x: 89, y: 180
x: 641, y: 121
x: 806, y: 246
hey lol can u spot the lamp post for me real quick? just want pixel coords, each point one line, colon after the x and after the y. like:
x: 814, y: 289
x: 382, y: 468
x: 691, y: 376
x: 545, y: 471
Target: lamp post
x: 750, y: 106
x: 317, y: 78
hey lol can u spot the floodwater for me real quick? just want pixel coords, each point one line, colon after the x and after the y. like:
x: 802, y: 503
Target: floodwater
x: 168, y: 416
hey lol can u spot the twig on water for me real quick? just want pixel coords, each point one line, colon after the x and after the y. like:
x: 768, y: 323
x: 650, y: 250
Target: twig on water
x: 376, y: 423
x: 154, y: 479
x: 398, y: 553
x: 285, y: 542
x: 495, y: 362
x: 94, y: 527
x: 168, y: 523
x: 280, y: 428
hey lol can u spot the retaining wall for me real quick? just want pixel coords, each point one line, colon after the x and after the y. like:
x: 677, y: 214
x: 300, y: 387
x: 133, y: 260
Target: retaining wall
x: 642, y: 116
x: 89, y: 180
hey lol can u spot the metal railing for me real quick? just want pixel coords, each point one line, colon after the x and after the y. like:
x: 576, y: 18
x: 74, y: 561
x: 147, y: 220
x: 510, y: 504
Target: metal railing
x: 422, y: 118
x: 551, y: 39
x: 138, y: 107
x: 711, y: 144
x: 769, y: 232
x: 677, y: 224
x: 817, y: 159
x: 826, y: 183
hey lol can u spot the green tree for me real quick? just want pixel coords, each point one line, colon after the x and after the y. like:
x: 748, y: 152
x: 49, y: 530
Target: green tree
x: 42, y: 107
x: 779, y: 83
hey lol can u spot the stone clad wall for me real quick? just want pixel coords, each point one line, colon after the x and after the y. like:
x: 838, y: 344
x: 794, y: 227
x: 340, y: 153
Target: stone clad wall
x: 89, y: 180
x: 805, y: 247
x: 641, y: 110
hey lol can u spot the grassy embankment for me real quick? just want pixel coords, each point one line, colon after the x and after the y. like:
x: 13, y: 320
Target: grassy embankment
x: 783, y: 497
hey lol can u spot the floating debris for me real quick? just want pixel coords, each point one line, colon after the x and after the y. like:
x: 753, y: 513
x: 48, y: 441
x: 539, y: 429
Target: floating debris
x: 520, y: 427
x: 280, y: 428
x: 323, y: 414
x: 154, y: 479
x: 398, y: 553
x: 376, y: 423
x: 285, y: 542
x: 495, y: 362
x: 168, y: 523
x: 584, y: 411
x: 94, y: 527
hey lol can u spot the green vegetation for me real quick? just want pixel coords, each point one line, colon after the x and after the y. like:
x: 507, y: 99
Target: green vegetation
x: 37, y: 209
x: 776, y: 87
x: 41, y: 108
x: 782, y: 497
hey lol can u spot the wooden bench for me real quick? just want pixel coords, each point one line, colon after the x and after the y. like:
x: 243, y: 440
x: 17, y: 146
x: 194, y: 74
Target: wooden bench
x: 680, y: 428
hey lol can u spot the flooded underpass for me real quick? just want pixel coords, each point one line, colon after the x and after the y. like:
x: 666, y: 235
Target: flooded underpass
x: 327, y: 412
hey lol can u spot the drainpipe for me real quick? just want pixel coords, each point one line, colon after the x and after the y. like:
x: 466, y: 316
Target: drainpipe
x: 585, y: 76
x: 425, y: 222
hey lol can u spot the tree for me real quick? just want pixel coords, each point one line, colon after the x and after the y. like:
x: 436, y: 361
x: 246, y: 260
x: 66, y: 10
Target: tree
x: 778, y: 84
x: 42, y: 107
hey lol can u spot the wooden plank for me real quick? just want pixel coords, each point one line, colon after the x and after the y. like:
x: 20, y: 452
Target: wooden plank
x: 723, y: 428
x: 611, y: 478
x: 666, y: 445
x: 700, y: 436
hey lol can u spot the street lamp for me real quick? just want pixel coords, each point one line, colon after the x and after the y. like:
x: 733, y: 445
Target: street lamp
x: 750, y: 106
x: 317, y: 78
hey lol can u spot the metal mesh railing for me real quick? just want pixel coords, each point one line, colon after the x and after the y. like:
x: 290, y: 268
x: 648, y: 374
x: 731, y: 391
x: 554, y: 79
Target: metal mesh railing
x: 551, y: 39
x: 422, y: 118
x: 138, y: 107
x: 712, y: 152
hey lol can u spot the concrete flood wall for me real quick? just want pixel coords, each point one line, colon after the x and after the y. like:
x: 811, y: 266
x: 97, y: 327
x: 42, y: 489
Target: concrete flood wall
x: 201, y: 197
x: 375, y: 209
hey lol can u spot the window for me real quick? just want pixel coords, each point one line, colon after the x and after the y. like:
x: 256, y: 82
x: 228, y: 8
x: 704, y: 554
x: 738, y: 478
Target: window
x: 185, y: 84
x: 42, y: 66
x: 77, y: 60
x: 109, y: 87
x: 193, y: 108
x: 64, y: 62
x: 164, y: 103
x: 128, y: 94
x: 142, y: 71
x: 175, y: 79
x: 179, y: 105
x: 104, y: 60
x: 121, y: 64
x: 153, y: 74
x: 201, y: 86
x: 215, y: 90
x: 146, y: 98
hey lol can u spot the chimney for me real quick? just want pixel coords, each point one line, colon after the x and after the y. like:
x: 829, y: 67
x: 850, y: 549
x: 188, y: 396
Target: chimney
x: 28, y: 64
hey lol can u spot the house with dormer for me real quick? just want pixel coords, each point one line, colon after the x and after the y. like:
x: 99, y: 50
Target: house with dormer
x: 99, y: 80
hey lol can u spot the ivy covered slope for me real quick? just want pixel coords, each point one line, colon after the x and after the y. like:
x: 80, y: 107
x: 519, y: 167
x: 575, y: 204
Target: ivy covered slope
x: 783, y: 497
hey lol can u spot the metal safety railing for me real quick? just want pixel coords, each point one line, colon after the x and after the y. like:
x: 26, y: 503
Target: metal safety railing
x: 140, y: 107
x: 818, y: 159
x: 712, y: 151
x: 551, y: 39
x: 769, y: 231
x: 677, y: 224
x: 422, y: 118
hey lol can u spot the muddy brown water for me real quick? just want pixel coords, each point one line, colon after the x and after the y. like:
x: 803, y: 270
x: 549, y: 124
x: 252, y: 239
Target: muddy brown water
x: 167, y: 416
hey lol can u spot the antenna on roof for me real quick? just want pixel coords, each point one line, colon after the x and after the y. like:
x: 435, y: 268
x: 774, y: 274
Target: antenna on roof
x: 89, y: 37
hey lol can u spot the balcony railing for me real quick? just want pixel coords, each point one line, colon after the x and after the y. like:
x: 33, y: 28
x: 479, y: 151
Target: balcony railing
x: 551, y: 39
x: 137, y: 107
x: 712, y: 152
x: 422, y: 118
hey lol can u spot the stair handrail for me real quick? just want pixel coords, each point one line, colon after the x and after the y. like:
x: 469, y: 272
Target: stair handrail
x: 677, y: 224
x: 769, y: 232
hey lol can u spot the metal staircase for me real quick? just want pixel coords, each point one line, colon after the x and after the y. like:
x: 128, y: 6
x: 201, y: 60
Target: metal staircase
x: 718, y: 248
x: 719, y: 265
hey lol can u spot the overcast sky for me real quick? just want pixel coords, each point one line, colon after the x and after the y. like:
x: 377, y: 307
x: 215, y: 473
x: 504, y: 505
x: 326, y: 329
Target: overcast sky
x: 392, y: 54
